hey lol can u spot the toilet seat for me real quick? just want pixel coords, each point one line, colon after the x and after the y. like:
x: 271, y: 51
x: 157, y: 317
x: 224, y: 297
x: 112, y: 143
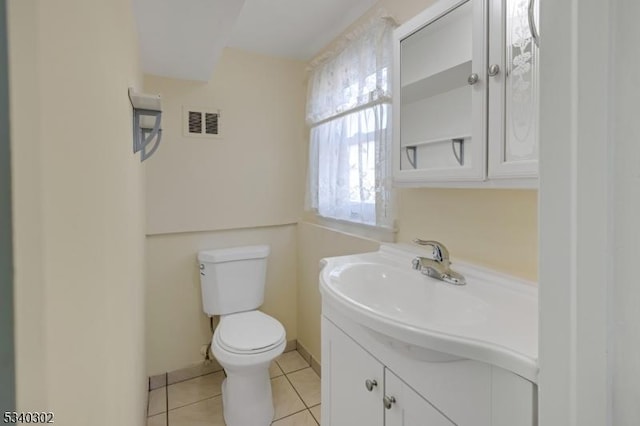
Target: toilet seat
x: 249, y: 333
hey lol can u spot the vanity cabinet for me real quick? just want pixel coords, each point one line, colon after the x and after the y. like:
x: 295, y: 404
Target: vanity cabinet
x: 405, y: 407
x: 465, y: 106
x: 359, y: 390
x: 369, y: 379
x: 356, y: 382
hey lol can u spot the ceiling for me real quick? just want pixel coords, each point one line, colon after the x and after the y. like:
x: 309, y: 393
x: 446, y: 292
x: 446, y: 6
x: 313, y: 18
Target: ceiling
x: 184, y: 38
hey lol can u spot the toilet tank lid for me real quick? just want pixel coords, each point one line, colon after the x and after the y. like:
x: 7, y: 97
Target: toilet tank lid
x: 234, y: 253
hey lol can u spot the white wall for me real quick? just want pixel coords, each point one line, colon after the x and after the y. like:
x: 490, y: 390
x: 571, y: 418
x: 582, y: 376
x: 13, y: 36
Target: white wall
x: 243, y: 188
x: 78, y: 210
x: 314, y: 243
x: 625, y: 315
x: 590, y: 204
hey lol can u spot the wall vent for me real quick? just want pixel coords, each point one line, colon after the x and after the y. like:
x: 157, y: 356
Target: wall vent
x: 201, y: 122
x: 211, y: 123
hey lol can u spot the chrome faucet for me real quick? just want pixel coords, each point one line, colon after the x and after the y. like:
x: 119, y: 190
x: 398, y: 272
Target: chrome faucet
x: 439, y: 266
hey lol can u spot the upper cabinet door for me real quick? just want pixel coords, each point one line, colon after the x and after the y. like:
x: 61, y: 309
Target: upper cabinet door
x: 440, y: 94
x: 513, y: 89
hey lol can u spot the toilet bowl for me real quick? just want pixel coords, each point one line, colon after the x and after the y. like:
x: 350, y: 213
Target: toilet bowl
x: 245, y: 344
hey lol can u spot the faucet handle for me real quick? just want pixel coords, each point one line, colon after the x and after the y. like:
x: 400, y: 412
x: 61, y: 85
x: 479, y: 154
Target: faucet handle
x: 440, y: 252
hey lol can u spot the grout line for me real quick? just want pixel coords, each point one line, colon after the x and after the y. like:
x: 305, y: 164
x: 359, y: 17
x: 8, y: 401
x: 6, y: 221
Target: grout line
x: 296, y: 390
x: 314, y: 417
x: 292, y: 414
x: 166, y: 395
x: 196, y: 402
x: 299, y: 369
x: 293, y: 371
x: 194, y: 377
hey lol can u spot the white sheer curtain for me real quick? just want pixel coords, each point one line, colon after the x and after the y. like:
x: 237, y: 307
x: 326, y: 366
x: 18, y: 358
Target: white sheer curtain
x: 349, y: 111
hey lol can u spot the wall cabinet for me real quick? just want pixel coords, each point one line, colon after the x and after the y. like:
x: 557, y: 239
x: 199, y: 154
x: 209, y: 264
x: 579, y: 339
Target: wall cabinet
x: 466, y: 95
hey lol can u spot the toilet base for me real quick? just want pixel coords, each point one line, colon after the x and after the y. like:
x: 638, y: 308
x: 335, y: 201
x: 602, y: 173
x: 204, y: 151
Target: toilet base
x: 246, y: 392
x: 247, y: 399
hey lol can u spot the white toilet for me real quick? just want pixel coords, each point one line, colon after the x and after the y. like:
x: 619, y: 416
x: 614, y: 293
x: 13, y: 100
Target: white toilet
x: 246, y: 340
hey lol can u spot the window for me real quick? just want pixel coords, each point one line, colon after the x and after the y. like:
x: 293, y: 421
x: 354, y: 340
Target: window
x: 349, y: 112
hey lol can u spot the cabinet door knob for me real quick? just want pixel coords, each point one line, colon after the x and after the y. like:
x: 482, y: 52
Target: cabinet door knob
x: 472, y: 79
x: 370, y: 384
x: 389, y: 401
x: 494, y: 70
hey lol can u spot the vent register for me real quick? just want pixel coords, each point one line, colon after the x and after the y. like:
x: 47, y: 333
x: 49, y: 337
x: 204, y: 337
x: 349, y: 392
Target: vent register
x: 201, y: 123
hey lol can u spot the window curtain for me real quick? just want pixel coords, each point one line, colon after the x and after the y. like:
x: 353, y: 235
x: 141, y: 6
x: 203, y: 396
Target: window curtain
x: 349, y: 112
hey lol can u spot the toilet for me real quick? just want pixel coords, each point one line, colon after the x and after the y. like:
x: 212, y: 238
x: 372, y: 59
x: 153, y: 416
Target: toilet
x: 245, y: 340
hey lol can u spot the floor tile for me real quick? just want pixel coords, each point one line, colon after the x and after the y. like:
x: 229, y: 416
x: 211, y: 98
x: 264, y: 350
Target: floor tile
x: 307, y: 384
x: 303, y: 418
x: 285, y: 399
x: 291, y: 361
x: 157, y: 401
x: 203, y: 413
x: 316, y: 412
x: 157, y: 420
x: 274, y: 370
x: 195, y: 390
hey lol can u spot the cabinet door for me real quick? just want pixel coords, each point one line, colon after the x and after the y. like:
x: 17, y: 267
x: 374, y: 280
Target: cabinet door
x: 440, y: 94
x: 513, y: 90
x: 346, y: 368
x: 408, y: 408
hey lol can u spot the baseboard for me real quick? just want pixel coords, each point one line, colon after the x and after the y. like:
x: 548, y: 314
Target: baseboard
x: 291, y: 345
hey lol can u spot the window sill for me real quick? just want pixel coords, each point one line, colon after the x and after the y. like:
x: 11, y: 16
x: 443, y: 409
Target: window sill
x: 373, y: 232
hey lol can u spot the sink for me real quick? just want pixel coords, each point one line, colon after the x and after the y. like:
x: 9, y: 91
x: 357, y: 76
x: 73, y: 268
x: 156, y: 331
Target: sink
x: 375, y: 287
x: 492, y: 319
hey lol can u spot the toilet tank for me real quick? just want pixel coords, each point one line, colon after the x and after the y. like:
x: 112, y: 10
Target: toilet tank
x: 233, y: 279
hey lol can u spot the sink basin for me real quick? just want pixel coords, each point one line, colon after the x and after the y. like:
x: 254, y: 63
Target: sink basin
x: 491, y: 319
x: 376, y: 287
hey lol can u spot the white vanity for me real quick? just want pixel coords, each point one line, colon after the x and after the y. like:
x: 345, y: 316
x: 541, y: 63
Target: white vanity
x: 402, y: 348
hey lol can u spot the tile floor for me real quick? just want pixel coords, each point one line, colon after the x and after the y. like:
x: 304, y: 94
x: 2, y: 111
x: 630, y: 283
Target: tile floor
x: 198, y: 401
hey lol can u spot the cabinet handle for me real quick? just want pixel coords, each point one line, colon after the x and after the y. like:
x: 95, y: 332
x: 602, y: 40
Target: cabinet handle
x: 472, y: 79
x: 389, y: 401
x: 532, y: 23
x: 494, y: 70
x: 370, y: 384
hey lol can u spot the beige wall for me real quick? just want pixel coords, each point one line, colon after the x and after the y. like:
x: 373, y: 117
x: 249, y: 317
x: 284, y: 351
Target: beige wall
x: 250, y: 176
x: 176, y: 324
x: 244, y: 188
x: 78, y: 210
x: 490, y: 227
x: 314, y: 243
x: 494, y: 228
